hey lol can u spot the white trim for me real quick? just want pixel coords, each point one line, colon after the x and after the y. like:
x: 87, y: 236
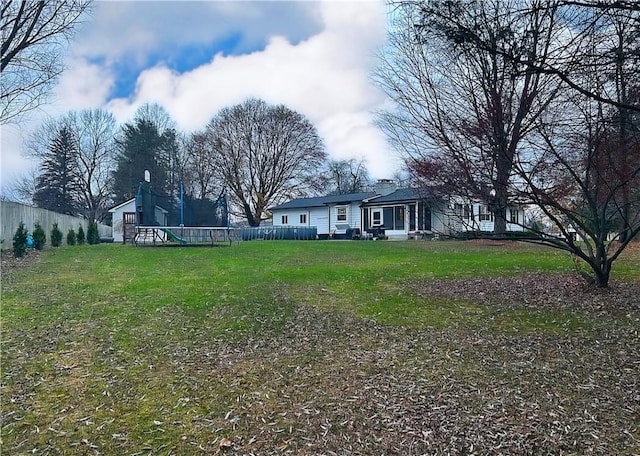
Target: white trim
x: 115, y: 208
x: 121, y: 205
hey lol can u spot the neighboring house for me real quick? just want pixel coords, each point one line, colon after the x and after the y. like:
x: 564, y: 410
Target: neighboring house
x: 124, y: 220
x: 394, y: 213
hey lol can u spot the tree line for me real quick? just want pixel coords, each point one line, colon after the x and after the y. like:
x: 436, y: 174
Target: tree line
x: 258, y: 154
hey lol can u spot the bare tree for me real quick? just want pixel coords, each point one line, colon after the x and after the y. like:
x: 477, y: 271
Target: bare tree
x: 585, y: 184
x: 34, y: 34
x: 23, y: 187
x: 583, y: 166
x: 347, y: 176
x: 264, y: 154
x: 201, y: 179
x: 536, y: 100
x: 461, y: 108
x: 570, y: 54
x: 94, y: 133
x: 95, y: 130
x: 157, y: 115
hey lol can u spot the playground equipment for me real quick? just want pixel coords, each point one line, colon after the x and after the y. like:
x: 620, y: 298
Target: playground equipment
x: 160, y: 220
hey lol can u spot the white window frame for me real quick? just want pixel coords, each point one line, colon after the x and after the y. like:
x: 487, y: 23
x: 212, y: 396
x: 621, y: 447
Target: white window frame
x: 484, y: 214
x: 285, y: 220
x: 339, y: 217
x: 303, y: 219
x: 513, y: 215
x: 380, y: 222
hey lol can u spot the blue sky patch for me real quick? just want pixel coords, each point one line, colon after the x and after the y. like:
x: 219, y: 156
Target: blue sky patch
x: 181, y: 60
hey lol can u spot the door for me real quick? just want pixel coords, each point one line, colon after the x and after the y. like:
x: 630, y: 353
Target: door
x: 128, y: 226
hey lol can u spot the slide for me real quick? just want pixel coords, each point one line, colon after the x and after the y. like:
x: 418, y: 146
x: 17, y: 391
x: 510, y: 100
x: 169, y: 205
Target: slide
x: 173, y: 237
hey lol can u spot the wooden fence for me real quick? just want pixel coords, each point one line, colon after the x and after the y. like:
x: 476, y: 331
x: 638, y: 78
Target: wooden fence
x: 12, y: 213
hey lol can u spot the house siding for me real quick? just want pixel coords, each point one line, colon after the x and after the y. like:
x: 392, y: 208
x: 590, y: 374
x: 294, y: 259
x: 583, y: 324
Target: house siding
x: 319, y: 217
x: 455, y: 222
x: 316, y: 216
x: 353, y: 215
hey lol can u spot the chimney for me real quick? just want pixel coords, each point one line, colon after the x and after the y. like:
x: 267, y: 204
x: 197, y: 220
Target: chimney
x: 385, y: 186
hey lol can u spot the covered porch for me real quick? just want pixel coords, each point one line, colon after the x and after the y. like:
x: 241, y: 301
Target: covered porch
x: 397, y: 220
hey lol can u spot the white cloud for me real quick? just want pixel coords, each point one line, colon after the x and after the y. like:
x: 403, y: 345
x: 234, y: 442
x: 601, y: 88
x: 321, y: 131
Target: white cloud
x: 82, y: 86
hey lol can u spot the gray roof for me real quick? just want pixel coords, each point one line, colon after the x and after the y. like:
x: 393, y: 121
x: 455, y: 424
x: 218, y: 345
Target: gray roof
x: 320, y: 201
x: 399, y: 196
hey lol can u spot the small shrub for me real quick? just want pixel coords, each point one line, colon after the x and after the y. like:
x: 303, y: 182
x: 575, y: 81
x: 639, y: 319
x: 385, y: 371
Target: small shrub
x: 71, y: 237
x: 93, y: 237
x: 80, y: 236
x: 39, y: 238
x: 56, y: 236
x: 20, y: 241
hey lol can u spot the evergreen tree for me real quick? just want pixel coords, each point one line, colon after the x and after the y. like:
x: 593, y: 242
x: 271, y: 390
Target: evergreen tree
x: 71, y: 237
x: 20, y: 241
x: 56, y: 186
x: 56, y: 236
x: 80, y: 236
x: 93, y: 237
x: 39, y: 237
x: 141, y: 147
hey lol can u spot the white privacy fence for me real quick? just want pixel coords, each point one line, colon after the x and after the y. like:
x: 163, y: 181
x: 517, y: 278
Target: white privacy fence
x: 12, y: 213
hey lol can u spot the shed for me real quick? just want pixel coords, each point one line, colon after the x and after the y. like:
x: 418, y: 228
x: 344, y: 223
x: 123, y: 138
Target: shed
x: 124, y: 220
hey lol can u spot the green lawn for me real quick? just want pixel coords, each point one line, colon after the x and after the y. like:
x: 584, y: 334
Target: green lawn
x: 287, y: 347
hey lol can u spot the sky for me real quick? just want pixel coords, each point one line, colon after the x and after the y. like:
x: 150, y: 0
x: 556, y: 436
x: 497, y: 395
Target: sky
x: 197, y: 57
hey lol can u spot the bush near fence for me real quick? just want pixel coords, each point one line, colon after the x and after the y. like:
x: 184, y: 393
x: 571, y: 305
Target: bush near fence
x: 12, y: 213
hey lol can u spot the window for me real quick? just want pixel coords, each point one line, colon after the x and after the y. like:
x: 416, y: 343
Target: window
x: 376, y: 218
x: 303, y: 219
x: 485, y: 214
x: 424, y: 216
x: 466, y: 212
x: 342, y: 214
x: 398, y: 222
x: 513, y: 215
x: 285, y: 219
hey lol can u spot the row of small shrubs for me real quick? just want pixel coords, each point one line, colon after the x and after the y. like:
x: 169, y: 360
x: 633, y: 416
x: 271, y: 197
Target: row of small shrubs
x: 39, y: 238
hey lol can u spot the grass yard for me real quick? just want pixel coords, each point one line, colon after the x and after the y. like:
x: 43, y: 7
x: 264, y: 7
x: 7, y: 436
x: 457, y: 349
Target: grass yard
x: 381, y: 348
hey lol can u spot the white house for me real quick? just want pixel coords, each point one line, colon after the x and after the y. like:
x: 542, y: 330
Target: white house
x: 124, y: 220
x: 326, y: 213
x: 394, y: 213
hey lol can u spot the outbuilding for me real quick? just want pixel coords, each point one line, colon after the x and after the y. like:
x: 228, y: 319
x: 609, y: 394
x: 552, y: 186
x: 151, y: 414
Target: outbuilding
x: 124, y: 220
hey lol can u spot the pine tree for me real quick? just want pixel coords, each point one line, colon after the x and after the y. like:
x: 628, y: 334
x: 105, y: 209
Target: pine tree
x: 80, y: 236
x: 39, y: 237
x: 71, y: 237
x: 56, y: 186
x: 56, y: 236
x: 141, y: 148
x: 20, y: 241
x: 93, y: 237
